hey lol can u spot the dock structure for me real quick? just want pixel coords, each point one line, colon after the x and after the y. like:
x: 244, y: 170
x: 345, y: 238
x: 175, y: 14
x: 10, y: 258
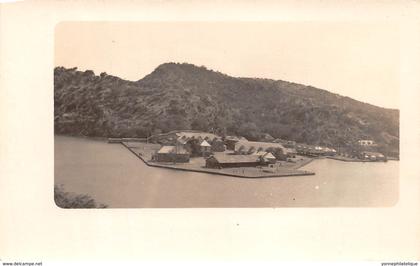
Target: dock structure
x: 145, y: 151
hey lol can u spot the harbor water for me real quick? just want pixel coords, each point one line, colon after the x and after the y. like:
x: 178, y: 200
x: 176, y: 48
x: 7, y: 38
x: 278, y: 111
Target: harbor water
x: 112, y: 175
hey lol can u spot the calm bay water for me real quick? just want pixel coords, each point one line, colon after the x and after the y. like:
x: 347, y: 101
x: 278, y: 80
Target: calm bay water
x: 114, y: 176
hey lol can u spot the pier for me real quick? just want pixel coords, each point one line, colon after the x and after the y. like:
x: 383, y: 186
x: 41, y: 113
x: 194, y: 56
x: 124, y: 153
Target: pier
x: 144, y: 152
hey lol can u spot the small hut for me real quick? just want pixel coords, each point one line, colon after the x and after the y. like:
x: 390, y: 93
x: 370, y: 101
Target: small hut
x: 205, y: 148
x: 266, y: 157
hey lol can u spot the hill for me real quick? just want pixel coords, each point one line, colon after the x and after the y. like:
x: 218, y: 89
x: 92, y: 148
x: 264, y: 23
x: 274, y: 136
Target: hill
x: 184, y: 96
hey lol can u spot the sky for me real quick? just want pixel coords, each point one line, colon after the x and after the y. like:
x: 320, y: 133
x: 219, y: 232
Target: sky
x: 358, y: 60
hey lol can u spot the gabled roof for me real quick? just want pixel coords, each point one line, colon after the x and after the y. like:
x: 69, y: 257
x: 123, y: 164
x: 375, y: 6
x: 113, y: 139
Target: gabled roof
x: 205, y: 144
x: 195, y: 134
x: 172, y: 149
x: 269, y: 155
x: 265, y: 155
x: 185, y: 134
x: 256, y: 145
x: 182, y: 140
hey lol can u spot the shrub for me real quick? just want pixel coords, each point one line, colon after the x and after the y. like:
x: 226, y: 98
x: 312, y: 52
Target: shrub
x: 69, y: 200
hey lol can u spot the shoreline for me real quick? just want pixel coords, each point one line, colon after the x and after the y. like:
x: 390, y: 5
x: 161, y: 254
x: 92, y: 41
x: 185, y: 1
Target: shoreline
x: 310, y: 160
x: 353, y: 160
x: 215, y: 171
x: 105, y: 139
x: 121, y: 140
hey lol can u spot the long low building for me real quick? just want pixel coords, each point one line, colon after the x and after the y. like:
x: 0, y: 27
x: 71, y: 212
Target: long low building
x: 244, y: 147
x: 229, y: 161
x: 250, y: 147
x: 172, y: 137
x: 173, y: 154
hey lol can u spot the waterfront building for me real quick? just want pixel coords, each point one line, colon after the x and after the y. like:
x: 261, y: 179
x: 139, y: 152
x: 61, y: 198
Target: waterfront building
x: 175, y: 154
x: 249, y: 147
x: 267, y: 157
x: 205, y: 148
x: 229, y: 161
x: 172, y: 137
x: 372, y: 156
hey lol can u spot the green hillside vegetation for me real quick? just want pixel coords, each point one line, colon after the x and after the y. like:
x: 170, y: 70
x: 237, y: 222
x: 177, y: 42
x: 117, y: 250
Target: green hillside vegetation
x: 183, y: 96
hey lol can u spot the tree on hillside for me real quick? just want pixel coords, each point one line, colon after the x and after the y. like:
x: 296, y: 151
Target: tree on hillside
x: 183, y: 96
x: 200, y: 122
x: 250, y: 131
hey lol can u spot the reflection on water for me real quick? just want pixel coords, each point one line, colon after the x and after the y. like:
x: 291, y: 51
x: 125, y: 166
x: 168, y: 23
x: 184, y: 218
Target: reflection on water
x: 114, y: 176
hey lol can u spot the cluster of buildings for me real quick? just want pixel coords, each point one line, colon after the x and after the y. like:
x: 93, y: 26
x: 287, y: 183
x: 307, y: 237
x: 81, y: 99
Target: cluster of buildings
x: 305, y: 149
x: 367, y: 150
x: 230, y: 151
x: 233, y: 151
x: 314, y: 151
x: 194, y: 143
x: 372, y: 156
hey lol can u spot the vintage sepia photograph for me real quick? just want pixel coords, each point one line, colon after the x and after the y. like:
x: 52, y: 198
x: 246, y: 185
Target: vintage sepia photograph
x: 227, y: 132
x: 226, y: 114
